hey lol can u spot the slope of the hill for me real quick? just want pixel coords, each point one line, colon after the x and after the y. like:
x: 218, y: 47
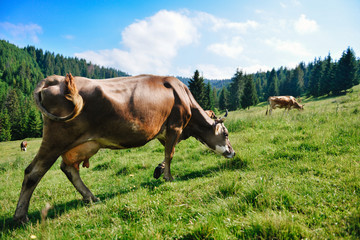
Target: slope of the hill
x: 295, y: 176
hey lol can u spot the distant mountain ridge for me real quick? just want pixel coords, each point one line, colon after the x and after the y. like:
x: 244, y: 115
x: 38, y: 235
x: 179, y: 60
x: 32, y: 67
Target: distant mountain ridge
x: 214, y: 83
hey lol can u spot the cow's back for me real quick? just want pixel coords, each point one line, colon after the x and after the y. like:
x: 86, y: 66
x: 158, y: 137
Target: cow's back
x: 137, y: 107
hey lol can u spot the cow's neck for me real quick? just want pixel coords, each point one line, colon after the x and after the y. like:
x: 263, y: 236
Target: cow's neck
x: 199, y: 124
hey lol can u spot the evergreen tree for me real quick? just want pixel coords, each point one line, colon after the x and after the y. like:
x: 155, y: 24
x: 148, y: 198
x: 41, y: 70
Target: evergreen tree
x: 5, y: 126
x: 12, y: 104
x: 34, y: 125
x: 297, y: 81
x: 281, y: 74
x: 314, y: 80
x: 249, y: 96
x: 307, y: 74
x: 235, y: 90
x: 286, y: 87
x: 327, y: 77
x: 346, y: 72
x: 259, y: 89
x: 215, y: 98
x: 223, y: 99
x: 209, y: 98
x: 273, y: 88
x: 197, y: 88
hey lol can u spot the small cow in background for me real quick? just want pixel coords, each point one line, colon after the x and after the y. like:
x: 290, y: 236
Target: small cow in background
x: 287, y: 102
x: 23, y: 146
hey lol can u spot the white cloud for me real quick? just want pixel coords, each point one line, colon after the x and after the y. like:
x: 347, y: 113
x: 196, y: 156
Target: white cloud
x: 68, y: 37
x: 214, y: 72
x: 294, y: 48
x: 304, y: 25
x: 152, y: 44
x: 283, y: 5
x: 231, y: 50
x: 23, y: 31
x: 217, y: 24
x: 255, y: 68
x: 164, y: 33
x: 296, y: 3
x: 241, y: 27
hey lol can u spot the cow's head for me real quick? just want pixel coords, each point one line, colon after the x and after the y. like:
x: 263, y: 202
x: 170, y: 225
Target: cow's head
x: 299, y: 106
x: 218, y: 138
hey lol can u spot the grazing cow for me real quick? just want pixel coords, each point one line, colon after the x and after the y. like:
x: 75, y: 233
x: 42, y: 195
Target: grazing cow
x: 287, y: 102
x: 82, y: 115
x: 23, y: 146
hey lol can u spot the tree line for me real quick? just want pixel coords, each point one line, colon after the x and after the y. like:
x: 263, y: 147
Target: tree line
x: 20, y: 71
x: 318, y: 78
x: 22, y: 68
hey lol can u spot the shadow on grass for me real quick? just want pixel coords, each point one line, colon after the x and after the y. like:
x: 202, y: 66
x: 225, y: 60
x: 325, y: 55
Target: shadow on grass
x: 34, y: 216
x: 8, y: 224
x: 229, y: 164
x: 152, y: 184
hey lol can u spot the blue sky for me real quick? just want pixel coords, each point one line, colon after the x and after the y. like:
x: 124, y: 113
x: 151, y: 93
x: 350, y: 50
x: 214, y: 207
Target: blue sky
x: 178, y: 37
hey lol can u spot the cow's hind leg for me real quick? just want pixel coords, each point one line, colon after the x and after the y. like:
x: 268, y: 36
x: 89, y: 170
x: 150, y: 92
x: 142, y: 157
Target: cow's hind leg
x: 33, y: 174
x: 74, y: 177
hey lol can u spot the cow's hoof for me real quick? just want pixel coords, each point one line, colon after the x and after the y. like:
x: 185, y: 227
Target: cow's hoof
x: 21, y: 219
x: 169, y: 179
x: 158, y: 171
x: 91, y: 199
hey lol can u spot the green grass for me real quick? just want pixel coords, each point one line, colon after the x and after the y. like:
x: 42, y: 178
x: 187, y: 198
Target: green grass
x: 295, y: 176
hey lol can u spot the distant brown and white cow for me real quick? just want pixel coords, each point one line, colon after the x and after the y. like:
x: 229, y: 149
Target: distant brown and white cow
x: 287, y: 102
x: 23, y: 146
x: 82, y: 115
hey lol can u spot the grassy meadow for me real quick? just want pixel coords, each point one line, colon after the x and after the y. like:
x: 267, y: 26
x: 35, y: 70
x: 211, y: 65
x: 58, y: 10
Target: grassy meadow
x: 295, y: 176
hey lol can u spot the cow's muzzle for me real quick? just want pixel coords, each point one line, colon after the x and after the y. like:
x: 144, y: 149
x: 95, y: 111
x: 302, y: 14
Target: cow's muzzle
x: 229, y: 154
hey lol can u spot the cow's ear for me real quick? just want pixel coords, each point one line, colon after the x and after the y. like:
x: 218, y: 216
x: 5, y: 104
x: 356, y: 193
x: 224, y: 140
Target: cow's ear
x: 220, y: 120
x: 217, y: 128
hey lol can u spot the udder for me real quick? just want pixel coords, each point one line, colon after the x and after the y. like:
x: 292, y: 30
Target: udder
x: 80, y: 153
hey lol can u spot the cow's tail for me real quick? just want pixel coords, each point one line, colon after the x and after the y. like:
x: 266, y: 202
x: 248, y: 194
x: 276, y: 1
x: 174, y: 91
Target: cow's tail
x: 72, y: 95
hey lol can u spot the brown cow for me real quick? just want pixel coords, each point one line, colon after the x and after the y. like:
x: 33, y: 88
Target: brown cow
x: 23, y: 146
x: 287, y: 102
x: 82, y: 115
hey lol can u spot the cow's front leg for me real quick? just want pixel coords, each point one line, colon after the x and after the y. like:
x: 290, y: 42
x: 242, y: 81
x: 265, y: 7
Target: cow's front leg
x: 172, y: 137
x: 33, y: 174
x: 74, y: 177
x: 159, y: 170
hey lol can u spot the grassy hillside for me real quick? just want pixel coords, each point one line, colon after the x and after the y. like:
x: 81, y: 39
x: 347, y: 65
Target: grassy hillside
x: 295, y: 176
